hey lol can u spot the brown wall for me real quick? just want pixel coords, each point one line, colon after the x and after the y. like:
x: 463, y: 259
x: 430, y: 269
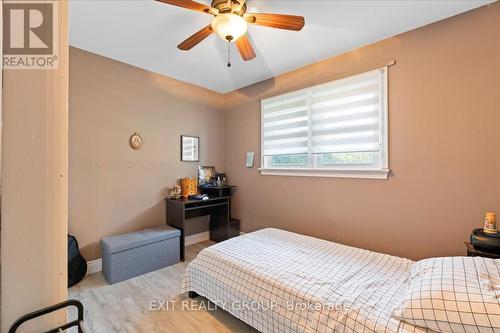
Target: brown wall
x: 444, y: 109
x: 114, y: 188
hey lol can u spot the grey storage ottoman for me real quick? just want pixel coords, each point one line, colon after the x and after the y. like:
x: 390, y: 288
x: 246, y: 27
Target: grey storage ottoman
x: 127, y: 255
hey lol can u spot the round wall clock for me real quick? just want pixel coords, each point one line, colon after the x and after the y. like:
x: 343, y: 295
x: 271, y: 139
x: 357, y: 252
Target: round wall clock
x: 136, y: 141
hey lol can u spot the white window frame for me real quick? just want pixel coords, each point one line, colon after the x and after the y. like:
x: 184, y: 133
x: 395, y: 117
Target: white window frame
x: 339, y: 171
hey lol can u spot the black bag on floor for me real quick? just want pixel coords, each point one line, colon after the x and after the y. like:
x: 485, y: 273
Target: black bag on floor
x: 77, y: 266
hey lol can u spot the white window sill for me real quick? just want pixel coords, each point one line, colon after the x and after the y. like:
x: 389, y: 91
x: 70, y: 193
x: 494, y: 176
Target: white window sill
x: 333, y: 173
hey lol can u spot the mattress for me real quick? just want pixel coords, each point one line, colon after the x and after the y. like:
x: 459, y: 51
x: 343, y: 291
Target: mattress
x: 279, y: 281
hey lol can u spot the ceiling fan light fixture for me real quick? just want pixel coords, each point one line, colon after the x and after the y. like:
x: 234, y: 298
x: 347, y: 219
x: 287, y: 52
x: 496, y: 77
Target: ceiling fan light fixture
x: 229, y: 26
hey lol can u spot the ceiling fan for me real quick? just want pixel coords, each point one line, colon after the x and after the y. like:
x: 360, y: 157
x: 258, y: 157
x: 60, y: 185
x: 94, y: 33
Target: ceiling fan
x: 231, y: 21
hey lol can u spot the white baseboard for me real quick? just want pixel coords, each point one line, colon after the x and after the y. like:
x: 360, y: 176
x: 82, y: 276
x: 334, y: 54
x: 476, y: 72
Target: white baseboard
x: 94, y: 266
x: 196, y: 238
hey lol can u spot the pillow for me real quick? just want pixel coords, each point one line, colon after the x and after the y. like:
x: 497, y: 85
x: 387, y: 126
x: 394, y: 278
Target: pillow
x: 453, y: 295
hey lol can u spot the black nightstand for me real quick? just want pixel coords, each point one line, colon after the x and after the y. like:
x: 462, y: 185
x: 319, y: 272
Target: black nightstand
x: 472, y: 252
x: 482, y: 244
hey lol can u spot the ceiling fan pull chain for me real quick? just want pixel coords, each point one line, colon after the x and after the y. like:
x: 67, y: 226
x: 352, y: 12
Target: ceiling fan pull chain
x: 228, y: 53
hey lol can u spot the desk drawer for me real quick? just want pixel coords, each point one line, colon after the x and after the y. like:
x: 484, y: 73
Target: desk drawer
x: 206, y: 204
x: 222, y: 208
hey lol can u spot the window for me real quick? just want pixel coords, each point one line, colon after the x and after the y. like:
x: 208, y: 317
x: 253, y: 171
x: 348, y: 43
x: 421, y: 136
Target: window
x: 337, y: 129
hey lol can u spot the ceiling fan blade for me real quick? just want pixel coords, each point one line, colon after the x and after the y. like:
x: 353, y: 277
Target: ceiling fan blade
x: 241, y: 3
x: 278, y: 21
x: 193, y: 40
x: 245, y: 48
x: 188, y: 4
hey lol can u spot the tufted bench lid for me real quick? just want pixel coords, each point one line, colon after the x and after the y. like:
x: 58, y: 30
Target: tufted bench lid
x: 122, y: 242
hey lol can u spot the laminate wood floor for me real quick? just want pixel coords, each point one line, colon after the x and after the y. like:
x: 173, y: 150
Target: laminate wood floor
x: 141, y: 304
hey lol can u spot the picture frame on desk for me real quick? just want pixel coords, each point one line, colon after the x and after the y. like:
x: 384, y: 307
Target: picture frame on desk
x: 206, y: 174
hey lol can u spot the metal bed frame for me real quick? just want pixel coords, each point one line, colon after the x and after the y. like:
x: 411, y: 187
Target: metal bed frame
x: 75, y: 323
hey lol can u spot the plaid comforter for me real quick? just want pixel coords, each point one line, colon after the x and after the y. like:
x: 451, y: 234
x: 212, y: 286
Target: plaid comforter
x: 279, y: 281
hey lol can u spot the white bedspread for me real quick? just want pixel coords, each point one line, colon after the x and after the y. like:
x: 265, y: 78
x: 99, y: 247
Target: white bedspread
x: 279, y: 281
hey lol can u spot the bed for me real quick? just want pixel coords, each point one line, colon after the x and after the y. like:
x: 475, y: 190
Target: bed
x: 279, y: 281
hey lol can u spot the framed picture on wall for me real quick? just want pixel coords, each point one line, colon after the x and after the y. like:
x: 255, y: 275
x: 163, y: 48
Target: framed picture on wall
x: 190, y: 148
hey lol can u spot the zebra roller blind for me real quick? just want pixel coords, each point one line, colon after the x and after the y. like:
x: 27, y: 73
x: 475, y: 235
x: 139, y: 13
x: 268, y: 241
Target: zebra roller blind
x: 286, y: 124
x: 345, y: 116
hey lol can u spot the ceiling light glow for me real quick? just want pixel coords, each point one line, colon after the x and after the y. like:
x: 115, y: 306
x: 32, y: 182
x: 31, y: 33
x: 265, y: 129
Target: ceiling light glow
x: 229, y: 26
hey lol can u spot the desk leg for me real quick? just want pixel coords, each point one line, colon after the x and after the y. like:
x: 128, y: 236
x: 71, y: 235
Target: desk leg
x: 219, y: 224
x: 175, y: 218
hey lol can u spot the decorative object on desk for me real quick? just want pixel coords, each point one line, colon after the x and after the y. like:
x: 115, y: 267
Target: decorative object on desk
x: 220, y: 178
x: 190, y: 146
x: 490, y: 223
x: 175, y: 192
x: 189, y: 186
x: 206, y: 175
x: 135, y: 141
x: 250, y: 156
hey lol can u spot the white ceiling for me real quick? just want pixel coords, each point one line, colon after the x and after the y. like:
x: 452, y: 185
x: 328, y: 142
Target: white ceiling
x: 145, y: 33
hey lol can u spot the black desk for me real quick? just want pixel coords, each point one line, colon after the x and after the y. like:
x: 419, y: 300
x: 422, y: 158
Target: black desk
x: 180, y: 210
